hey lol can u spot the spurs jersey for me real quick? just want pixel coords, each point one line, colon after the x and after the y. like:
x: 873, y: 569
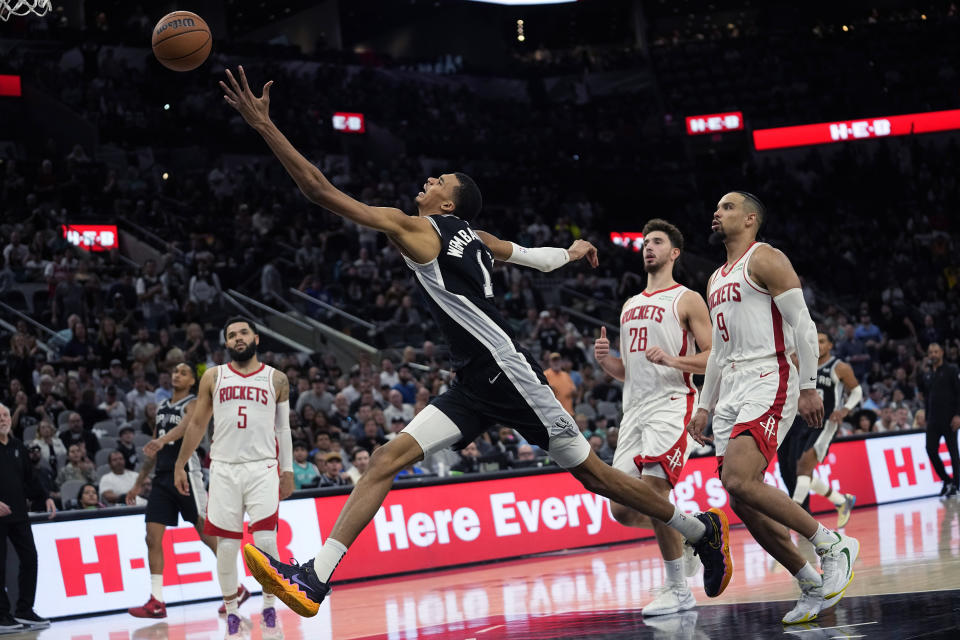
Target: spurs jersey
x: 746, y: 322
x: 829, y: 387
x: 169, y: 415
x: 652, y: 320
x: 244, y: 415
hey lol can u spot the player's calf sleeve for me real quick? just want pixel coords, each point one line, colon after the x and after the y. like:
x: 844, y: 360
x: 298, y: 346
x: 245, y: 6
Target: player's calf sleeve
x: 819, y: 486
x: 267, y: 540
x: 227, y: 550
x: 802, y: 490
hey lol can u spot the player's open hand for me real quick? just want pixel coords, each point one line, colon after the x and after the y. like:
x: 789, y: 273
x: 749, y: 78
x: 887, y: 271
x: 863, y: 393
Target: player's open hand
x: 583, y: 249
x: 131, y: 498
x: 810, y: 408
x: 601, y: 346
x: 697, y: 425
x: 256, y: 111
x: 180, y: 481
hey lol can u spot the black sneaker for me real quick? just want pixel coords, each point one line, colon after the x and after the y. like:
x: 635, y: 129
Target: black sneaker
x: 945, y: 489
x: 951, y: 490
x: 296, y: 584
x: 9, y: 625
x: 714, y: 551
x: 32, y: 620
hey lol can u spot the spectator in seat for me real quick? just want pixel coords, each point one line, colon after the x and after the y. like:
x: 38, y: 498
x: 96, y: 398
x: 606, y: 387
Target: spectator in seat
x: 115, y: 484
x: 145, y: 352
x: 333, y: 471
x: 526, y: 457
x: 885, y: 421
x: 138, y: 398
x: 469, y: 459
x: 561, y: 382
x: 305, y: 473
x: 407, y: 385
x: 89, y: 412
x: 76, y: 433
x: 77, y: 467
x: 321, y: 445
x: 902, y: 419
x: 113, y: 406
x: 360, y: 461
x: 371, y: 436
x: 317, y: 397
x: 87, y: 497
x: 79, y: 348
x: 397, y: 408
x: 44, y: 476
x: 127, y: 448
x: 50, y: 445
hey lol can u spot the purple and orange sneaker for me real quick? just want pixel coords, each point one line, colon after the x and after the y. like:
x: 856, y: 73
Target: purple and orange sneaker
x: 714, y: 551
x: 296, y: 584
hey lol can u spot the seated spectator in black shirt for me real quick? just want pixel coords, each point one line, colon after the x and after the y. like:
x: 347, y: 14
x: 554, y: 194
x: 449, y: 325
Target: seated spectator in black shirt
x: 332, y: 475
x: 526, y: 457
x: 79, y: 349
x: 371, y: 436
x: 469, y: 459
x: 126, y: 446
x: 88, y: 410
x: 75, y: 433
x: 43, y: 475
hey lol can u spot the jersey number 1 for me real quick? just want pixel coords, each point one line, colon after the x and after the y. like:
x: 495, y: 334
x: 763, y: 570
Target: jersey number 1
x: 242, y: 422
x: 487, y: 284
x: 638, y: 340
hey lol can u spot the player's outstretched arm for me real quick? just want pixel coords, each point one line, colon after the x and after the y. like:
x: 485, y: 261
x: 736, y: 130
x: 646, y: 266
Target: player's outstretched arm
x: 694, y: 317
x: 154, y: 446
x: 284, y: 441
x: 414, y: 234
x: 197, y: 422
x: 541, y: 258
x: 772, y: 269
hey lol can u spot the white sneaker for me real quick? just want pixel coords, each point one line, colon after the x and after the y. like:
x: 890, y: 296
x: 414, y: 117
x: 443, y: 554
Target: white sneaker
x: 808, y: 606
x: 836, y: 563
x: 691, y: 562
x: 671, y: 598
x: 676, y: 626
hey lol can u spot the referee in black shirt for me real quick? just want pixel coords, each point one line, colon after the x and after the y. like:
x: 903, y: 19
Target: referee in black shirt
x: 940, y: 384
x: 16, y: 486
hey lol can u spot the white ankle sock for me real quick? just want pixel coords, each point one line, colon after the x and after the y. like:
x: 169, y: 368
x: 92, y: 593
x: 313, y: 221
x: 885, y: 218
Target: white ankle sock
x: 269, y: 600
x: 688, y: 526
x: 823, y: 537
x: 232, y: 605
x: 674, y: 571
x: 819, y: 486
x: 808, y: 574
x: 327, y: 560
x: 156, y: 586
x: 802, y: 489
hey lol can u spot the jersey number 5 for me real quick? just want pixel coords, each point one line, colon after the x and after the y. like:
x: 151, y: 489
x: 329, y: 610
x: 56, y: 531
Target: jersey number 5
x: 722, y: 325
x: 242, y: 422
x: 638, y: 339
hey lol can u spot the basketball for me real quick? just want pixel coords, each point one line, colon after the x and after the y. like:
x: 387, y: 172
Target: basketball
x: 181, y: 41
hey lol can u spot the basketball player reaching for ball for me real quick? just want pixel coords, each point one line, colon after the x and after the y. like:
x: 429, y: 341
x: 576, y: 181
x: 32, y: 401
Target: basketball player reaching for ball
x: 759, y: 319
x: 805, y: 447
x: 249, y: 402
x: 496, y: 380
x: 165, y: 503
x: 657, y: 332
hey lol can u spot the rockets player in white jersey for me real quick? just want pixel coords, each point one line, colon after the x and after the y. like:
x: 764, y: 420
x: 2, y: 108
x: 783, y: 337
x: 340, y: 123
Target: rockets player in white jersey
x: 250, y: 405
x: 759, y: 320
x: 658, y: 358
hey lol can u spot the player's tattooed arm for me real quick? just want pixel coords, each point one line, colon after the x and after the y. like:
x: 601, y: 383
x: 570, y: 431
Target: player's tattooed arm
x: 282, y: 384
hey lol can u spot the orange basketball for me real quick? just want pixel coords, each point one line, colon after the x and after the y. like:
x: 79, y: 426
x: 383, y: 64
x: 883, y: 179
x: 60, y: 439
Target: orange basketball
x: 182, y: 41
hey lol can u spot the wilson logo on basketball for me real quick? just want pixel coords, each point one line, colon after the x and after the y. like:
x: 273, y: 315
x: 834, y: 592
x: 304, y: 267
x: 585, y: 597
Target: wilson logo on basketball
x: 173, y: 24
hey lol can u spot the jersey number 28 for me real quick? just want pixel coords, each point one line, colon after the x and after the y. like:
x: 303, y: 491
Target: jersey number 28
x: 638, y: 339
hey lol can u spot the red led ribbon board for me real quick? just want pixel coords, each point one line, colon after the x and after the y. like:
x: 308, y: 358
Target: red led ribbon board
x: 630, y: 239
x: 847, y: 130
x: 92, y: 237
x: 10, y: 86
x: 714, y: 123
x: 349, y: 122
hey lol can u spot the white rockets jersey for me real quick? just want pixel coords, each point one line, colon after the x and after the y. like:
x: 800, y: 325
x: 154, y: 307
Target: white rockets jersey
x: 651, y: 320
x: 244, y: 415
x: 746, y: 322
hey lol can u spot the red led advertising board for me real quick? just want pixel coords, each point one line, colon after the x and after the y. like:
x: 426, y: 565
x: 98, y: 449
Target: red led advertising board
x: 92, y: 237
x: 349, y: 122
x: 714, y: 123
x: 843, y: 131
x: 630, y: 239
x: 10, y: 86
